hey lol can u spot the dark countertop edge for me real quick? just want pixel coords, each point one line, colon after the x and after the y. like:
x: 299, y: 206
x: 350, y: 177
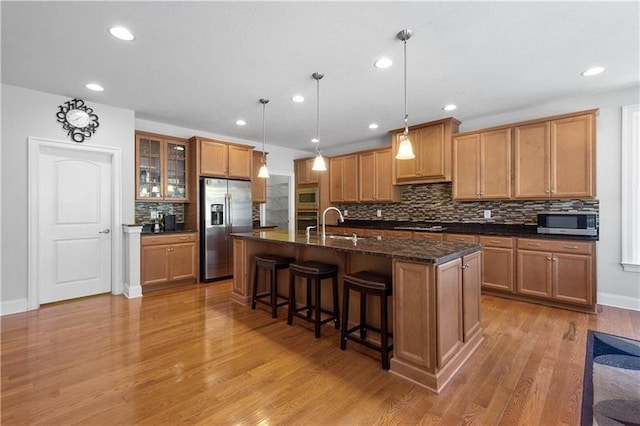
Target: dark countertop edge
x: 507, y: 230
x: 463, y: 248
x: 182, y: 231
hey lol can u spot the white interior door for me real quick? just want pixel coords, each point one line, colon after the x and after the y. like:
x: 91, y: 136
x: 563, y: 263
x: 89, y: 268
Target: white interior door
x: 74, y: 222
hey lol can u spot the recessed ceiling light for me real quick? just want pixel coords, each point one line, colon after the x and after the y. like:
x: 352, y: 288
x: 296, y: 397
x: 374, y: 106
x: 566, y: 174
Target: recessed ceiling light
x: 373, y: 126
x: 592, y: 71
x: 241, y: 122
x: 298, y: 98
x: 383, y: 63
x: 95, y: 87
x: 315, y: 140
x: 449, y: 107
x: 122, y: 33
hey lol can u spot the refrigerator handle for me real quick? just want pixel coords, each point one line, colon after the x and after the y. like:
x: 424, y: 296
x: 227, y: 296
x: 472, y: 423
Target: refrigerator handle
x: 230, y: 210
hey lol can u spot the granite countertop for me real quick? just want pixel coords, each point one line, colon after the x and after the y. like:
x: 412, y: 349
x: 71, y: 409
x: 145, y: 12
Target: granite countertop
x: 398, y: 248
x: 526, y: 231
x: 181, y: 231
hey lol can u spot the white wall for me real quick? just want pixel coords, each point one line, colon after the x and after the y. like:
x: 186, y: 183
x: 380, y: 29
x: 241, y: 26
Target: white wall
x: 615, y: 286
x: 31, y: 113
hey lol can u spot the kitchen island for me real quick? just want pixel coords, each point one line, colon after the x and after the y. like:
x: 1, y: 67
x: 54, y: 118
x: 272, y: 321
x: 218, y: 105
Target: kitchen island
x: 436, y: 292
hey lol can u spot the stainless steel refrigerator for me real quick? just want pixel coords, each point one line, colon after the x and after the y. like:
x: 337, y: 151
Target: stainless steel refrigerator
x: 225, y: 207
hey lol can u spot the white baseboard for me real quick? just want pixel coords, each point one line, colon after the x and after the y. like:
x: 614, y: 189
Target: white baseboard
x: 8, y: 307
x: 131, y: 292
x: 618, y: 301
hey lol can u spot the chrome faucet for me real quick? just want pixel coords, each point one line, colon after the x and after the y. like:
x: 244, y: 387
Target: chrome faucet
x: 308, y: 231
x: 324, y: 219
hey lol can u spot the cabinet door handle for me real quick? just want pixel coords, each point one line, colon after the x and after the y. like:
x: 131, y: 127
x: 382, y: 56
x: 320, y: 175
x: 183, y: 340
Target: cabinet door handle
x: 571, y: 247
x: 533, y: 244
x: 184, y: 238
x: 494, y: 241
x: 549, y: 258
x: 554, y: 259
x: 465, y: 266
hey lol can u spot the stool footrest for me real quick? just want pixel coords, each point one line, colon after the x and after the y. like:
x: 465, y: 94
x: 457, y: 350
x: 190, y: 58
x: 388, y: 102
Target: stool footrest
x: 367, y: 343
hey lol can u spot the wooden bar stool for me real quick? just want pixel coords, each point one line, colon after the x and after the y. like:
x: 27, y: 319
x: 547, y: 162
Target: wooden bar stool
x: 367, y: 283
x: 314, y: 272
x: 270, y: 263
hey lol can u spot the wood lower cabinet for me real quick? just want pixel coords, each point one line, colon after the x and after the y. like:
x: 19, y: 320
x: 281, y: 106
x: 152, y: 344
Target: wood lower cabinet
x: 343, y: 179
x: 434, y: 236
x: 168, y: 259
x: 555, y: 158
x: 498, y: 271
x: 482, y: 165
x: 375, y: 183
x: 431, y: 144
x: 461, y: 238
x: 258, y: 185
x: 557, y: 270
x: 222, y: 159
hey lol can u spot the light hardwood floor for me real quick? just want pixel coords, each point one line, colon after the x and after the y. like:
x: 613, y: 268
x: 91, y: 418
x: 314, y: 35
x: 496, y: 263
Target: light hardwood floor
x: 190, y: 355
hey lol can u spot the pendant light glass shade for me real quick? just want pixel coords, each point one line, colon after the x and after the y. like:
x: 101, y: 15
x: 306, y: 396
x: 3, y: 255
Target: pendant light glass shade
x: 319, y: 165
x: 263, y: 172
x: 405, y: 149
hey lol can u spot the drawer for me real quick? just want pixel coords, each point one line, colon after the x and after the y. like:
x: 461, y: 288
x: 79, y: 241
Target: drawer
x: 152, y: 240
x: 505, y: 242
x: 372, y: 232
x: 433, y: 236
x: 461, y: 238
x: 397, y: 234
x: 556, y: 246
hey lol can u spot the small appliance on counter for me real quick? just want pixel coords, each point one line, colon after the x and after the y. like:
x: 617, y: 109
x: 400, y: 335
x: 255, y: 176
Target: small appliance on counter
x: 568, y: 223
x: 169, y: 222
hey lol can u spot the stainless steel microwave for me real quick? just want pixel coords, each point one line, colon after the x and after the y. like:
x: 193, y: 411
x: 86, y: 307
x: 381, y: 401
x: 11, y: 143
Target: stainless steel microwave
x: 307, y: 198
x: 568, y: 223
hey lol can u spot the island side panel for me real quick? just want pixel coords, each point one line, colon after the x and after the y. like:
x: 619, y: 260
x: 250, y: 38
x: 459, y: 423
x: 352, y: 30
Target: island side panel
x: 429, y: 328
x: 414, y: 346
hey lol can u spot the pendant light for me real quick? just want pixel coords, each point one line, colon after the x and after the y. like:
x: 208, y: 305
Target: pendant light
x: 264, y: 172
x: 319, y: 164
x: 405, y: 150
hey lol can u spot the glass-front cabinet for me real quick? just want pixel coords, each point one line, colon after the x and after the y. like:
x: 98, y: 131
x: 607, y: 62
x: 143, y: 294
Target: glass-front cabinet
x: 161, y: 168
x: 176, y: 170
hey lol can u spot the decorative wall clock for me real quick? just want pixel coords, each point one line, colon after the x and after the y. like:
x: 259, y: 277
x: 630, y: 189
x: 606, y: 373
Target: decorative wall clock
x: 77, y: 119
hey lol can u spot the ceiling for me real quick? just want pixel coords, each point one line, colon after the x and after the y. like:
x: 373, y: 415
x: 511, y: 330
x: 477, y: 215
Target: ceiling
x: 203, y: 65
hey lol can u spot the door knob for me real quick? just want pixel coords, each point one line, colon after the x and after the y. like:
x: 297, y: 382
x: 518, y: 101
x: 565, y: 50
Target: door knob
x: 105, y: 231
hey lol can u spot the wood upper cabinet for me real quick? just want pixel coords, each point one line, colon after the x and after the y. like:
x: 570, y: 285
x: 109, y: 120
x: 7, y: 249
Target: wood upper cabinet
x: 555, y: 158
x: 221, y: 159
x: 240, y: 160
x: 258, y: 185
x: 374, y: 177
x: 482, y: 165
x: 343, y: 179
x: 560, y: 270
x: 432, y: 147
x: 304, y: 172
x: 162, y: 168
x: 168, y: 258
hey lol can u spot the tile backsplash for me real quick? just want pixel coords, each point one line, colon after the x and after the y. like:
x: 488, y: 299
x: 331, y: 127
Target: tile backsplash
x: 433, y: 202
x: 143, y: 211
